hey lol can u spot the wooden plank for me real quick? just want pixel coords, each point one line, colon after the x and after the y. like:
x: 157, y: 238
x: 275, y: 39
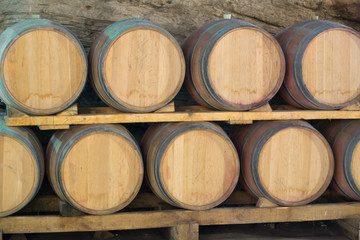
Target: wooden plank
x: 168, y: 108
x: 263, y: 202
x: 264, y: 108
x: 180, y: 116
x: 350, y: 227
x: 13, y: 112
x: 354, y: 107
x: 50, y: 203
x: 169, y: 218
x: 185, y: 231
x: 70, y: 111
x: 54, y: 127
x: 240, y: 122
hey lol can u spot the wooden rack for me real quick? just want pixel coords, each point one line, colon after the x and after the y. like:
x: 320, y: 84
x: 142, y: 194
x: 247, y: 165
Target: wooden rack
x: 170, y: 113
x: 184, y: 224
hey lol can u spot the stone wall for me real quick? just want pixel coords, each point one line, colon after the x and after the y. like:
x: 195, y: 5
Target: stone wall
x: 180, y: 17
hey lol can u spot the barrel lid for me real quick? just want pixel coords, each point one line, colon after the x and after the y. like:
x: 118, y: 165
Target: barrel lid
x: 19, y: 174
x: 198, y: 169
x: 143, y: 66
x: 294, y: 166
x: 101, y: 172
x: 49, y: 63
x: 330, y: 66
x: 245, y: 67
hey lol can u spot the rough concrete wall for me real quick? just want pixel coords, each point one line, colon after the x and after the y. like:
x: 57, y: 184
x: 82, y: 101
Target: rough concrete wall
x: 180, y: 17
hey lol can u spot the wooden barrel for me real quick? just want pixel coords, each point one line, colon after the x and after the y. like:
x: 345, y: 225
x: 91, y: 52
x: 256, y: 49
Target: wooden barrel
x: 21, y: 168
x: 97, y: 169
x: 136, y: 66
x: 287, y: 162
x: 344, y: 138
x: 232, y: 65
x: 190, y: 165
x: 322, y: 65
x: 42, y: 67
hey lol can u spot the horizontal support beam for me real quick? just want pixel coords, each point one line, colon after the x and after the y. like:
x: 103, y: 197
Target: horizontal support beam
x: 170, y: 218
x: 179, y: 117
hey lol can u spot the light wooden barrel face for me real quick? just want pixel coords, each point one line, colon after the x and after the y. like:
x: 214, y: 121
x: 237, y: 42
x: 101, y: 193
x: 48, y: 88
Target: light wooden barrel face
x: 322, y: 60
x: 198, y: 167
x: 143, y: 68
x: 136, y: 66
x: 244, y: 66
x: 101, y: 172
x: 330, y: 66
x: 233, y: 65
x: 97, y: 169
x: 44, y: 70
x: 287, y: 162
x: 294, y: 164
x: 19, y: 175
x: 190, y: 165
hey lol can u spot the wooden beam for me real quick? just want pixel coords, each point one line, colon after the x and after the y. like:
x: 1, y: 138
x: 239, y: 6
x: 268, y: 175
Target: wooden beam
x: 70, y: 111
x: 54, y: 127
x: 264, y: 108
x: 179, y: 116
x: 263, y: 202
x: 185, y: 231
x: 351, y: 227
x: 353, y: 107
x: 169, y: 218
x: 50, y: 203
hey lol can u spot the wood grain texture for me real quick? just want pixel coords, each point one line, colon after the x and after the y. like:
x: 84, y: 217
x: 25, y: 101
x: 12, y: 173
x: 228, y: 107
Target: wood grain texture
x: 160, y: 219
x: 344, y: 137
x: 43, y: 68
x: 185, y: 231
x: 96, y: 169
x: 330, y: 66
x: 190, y: 165
x: 181, y: 116
x: 136, y: 66
x: 245, y: 66
x: 232, y: 65
x: 289, y: 163
x: 21, y: 168
x: 322, y: 59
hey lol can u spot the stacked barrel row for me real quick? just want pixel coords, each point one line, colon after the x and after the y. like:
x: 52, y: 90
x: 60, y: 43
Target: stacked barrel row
x: 136, y: 66
x: 99, y: 169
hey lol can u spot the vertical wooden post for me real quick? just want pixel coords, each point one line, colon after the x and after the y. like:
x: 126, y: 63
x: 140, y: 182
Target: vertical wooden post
x: 185, y: 231
x: 351, y: 227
